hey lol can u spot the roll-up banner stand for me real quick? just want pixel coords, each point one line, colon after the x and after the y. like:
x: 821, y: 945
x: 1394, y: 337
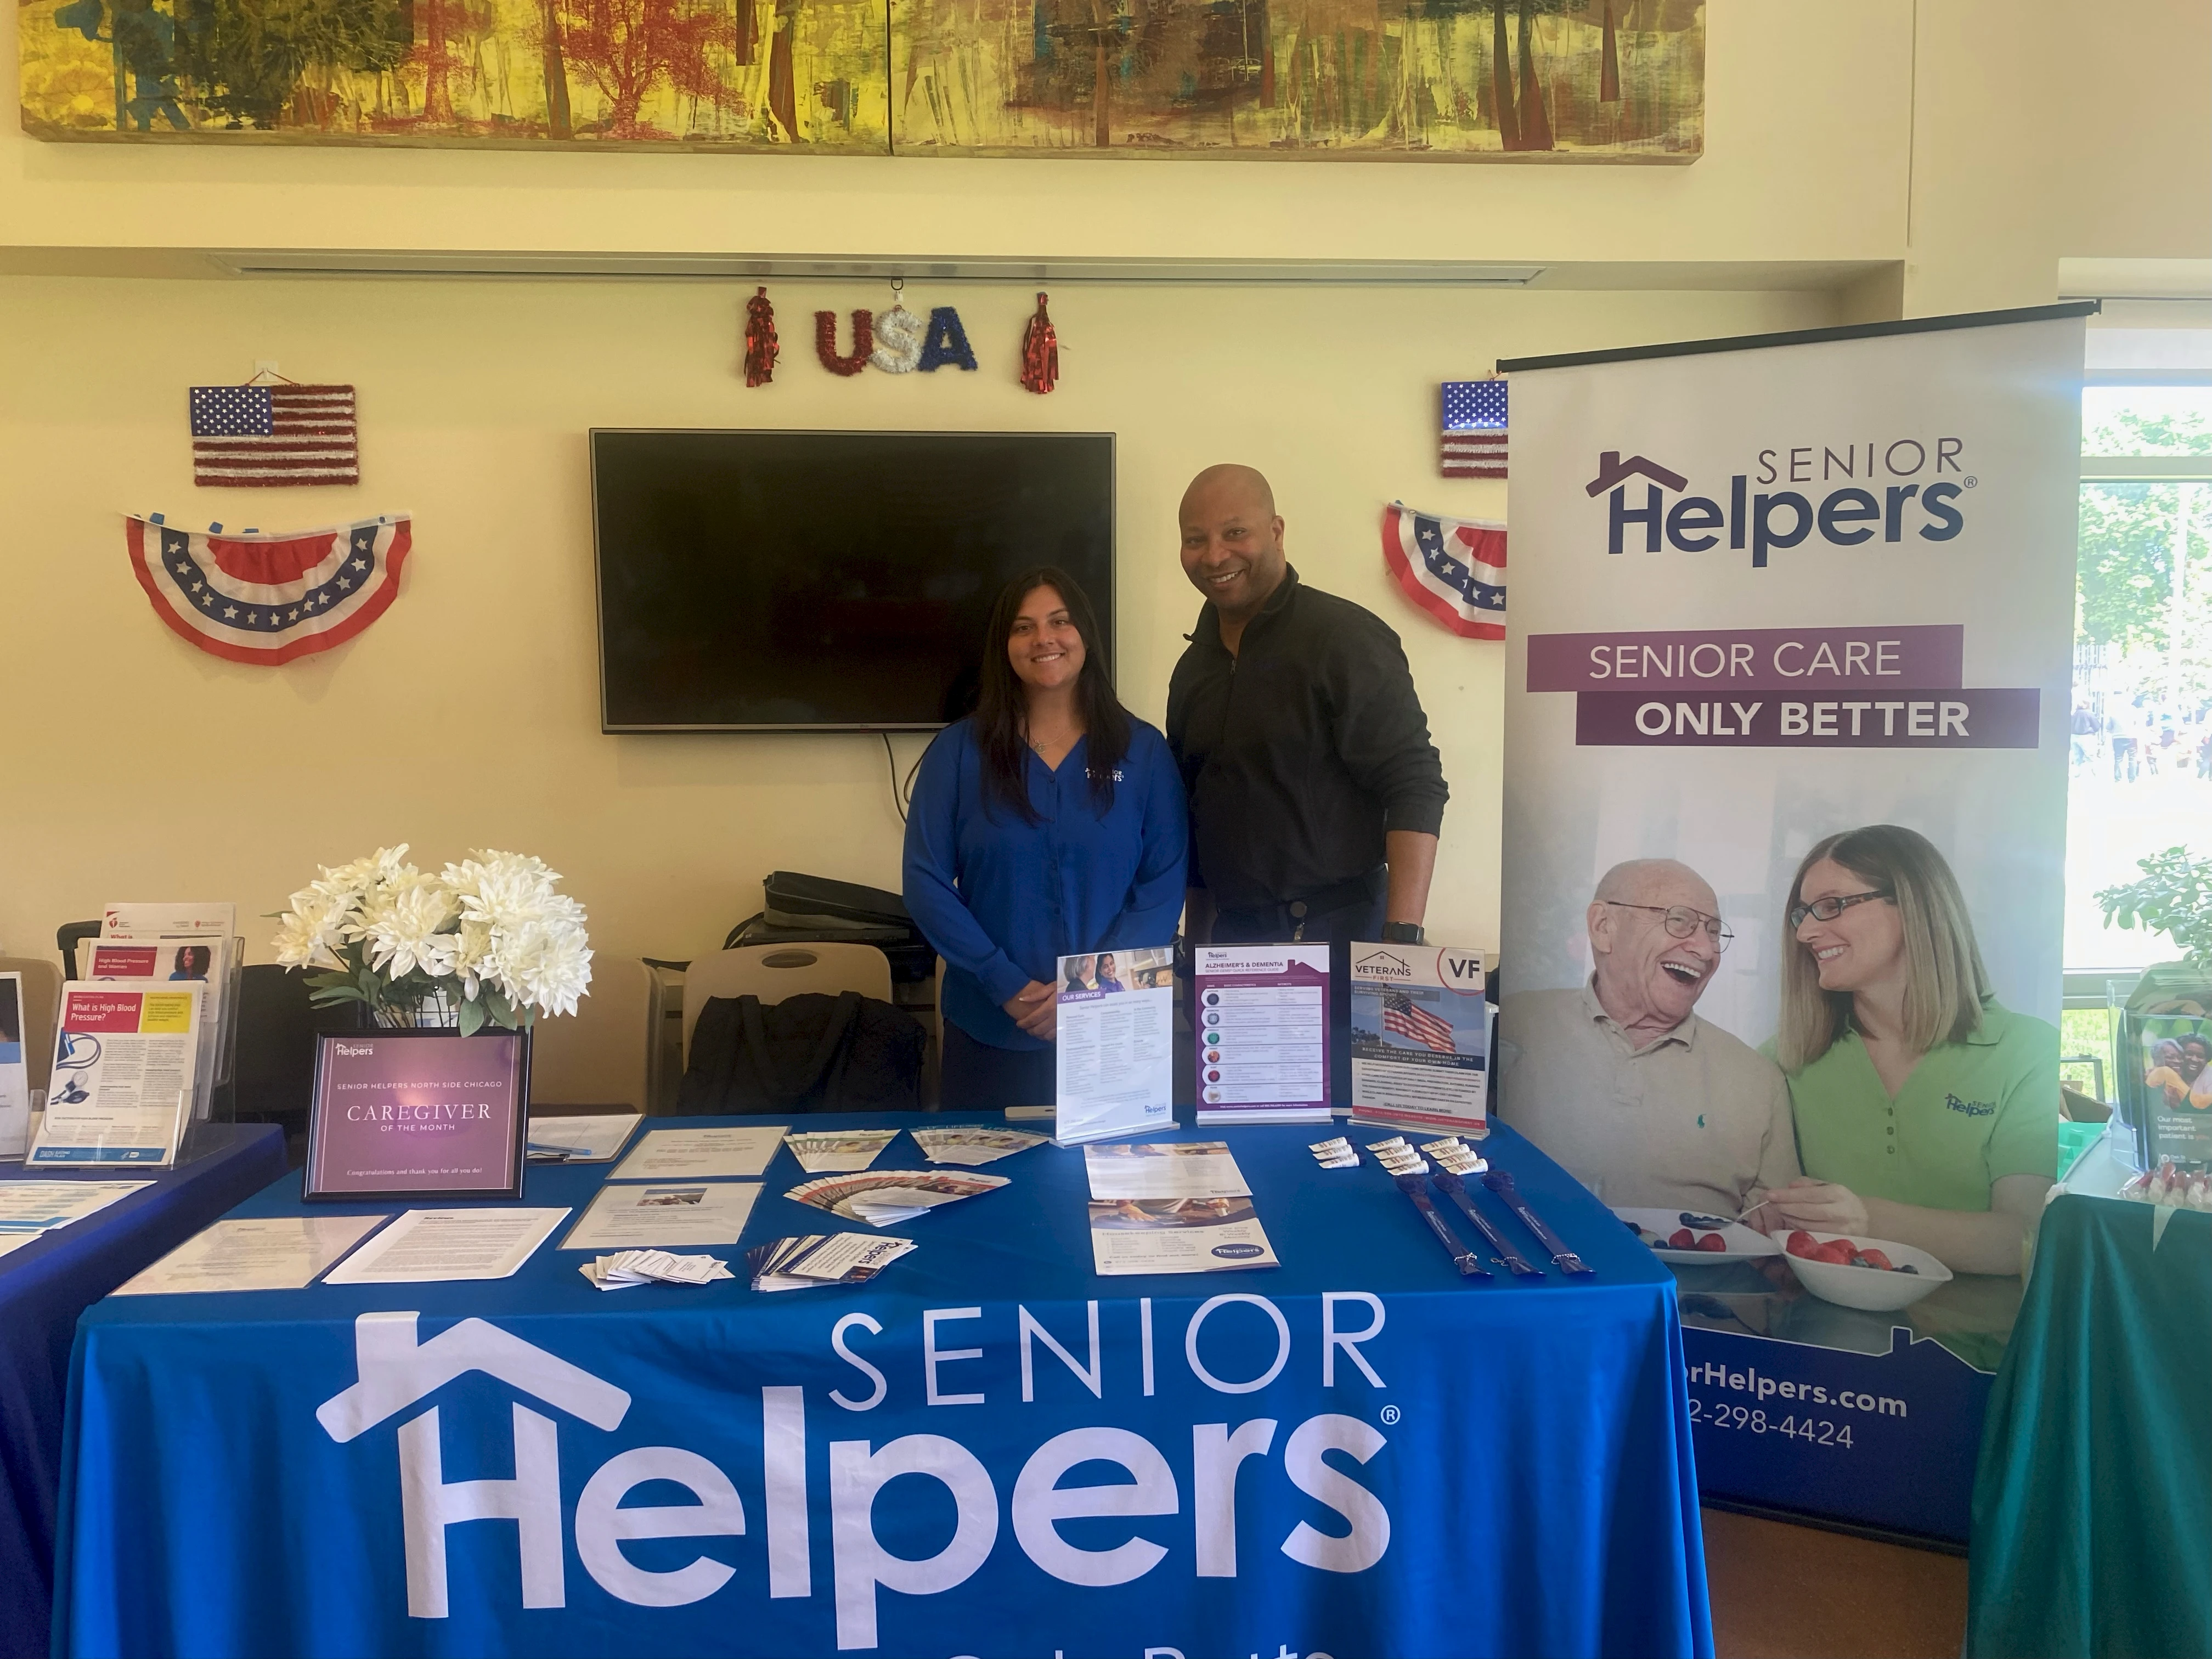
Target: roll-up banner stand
x: 1766, y: 590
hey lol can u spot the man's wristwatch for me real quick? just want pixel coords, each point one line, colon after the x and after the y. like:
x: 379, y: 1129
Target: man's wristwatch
x: 1403, y: 932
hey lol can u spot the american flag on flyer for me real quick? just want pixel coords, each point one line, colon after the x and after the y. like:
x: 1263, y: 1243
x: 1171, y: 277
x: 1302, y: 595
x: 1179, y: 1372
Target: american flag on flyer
x: 1453, y: 569
x: 1402, y: 1015
x: 1475, y: 429
x: 270, y: 436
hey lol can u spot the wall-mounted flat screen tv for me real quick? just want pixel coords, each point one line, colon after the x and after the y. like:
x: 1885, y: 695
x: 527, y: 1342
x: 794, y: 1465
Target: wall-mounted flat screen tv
x: 782, y: 580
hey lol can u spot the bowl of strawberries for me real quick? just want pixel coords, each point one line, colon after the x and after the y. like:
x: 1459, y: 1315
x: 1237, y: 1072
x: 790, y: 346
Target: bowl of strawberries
x: 1876, y: 1274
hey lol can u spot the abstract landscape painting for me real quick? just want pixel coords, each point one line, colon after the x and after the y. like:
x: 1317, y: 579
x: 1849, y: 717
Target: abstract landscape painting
x: 1459, y: 80
x: 1590, y: 80
x: 803, y: 75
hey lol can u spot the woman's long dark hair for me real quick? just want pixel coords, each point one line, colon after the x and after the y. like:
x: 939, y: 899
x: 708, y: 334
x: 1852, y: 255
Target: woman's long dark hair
x: 1002, y: 702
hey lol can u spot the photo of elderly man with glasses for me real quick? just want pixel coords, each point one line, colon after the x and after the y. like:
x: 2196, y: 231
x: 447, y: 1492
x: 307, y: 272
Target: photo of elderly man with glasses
x: 1643, y: 1103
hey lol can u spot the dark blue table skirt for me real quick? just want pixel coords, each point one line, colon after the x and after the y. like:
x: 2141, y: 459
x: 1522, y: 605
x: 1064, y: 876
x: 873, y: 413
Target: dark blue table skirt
x: 532, y: 1466
x: 43, y: 1286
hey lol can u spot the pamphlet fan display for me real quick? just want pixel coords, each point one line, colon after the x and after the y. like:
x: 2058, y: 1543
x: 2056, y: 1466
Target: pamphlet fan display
x: 784, y: 581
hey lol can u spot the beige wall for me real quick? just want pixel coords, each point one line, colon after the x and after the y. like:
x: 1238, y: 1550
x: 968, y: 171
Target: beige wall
x: 468, y: 715
x: 1954, y: 150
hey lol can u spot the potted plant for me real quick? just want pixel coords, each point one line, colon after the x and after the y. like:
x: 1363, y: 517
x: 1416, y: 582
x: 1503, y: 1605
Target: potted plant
x: 2164, y: 1046
x: 488, y: 941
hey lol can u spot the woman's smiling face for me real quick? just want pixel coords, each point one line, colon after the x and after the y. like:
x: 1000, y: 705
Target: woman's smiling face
x: 1861, y: 947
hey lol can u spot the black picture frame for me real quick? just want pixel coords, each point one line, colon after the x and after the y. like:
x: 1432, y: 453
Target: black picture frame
x: 315, y: 1181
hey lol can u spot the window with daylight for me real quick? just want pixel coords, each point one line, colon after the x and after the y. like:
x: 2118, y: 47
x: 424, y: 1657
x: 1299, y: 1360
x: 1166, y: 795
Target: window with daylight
x: 2141, y: 758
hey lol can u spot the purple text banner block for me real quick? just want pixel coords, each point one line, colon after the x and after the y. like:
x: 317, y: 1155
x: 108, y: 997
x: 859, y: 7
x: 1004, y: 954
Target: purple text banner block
x: 1926, y: 717
x: 1824, y: 660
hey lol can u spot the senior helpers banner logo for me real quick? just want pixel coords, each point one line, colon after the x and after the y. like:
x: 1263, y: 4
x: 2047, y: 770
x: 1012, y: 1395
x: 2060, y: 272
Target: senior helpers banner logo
x: 1787, y: 689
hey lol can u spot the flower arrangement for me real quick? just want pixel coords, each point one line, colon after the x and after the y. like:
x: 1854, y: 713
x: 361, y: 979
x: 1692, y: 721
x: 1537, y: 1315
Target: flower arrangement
x: 493, y: 928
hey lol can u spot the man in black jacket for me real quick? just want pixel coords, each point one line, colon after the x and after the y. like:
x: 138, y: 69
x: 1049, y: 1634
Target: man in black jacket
x: 1316, y: 795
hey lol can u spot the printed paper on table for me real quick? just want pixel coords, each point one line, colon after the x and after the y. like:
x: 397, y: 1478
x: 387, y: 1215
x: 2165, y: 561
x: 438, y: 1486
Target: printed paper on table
x: 663, y: 1215
x: 583, y: 1137
x: 207, y: 959
x: 426, y: 1247
x: 14, y: 1070
x: 266, y: 1253
x: 1177, y: 1236
x: 1115, y: 1050
x: 1170, y: 1168
x: 1261, y: 1016
x: 1420, y: 1037
x: 126, y: 1058
x: 28, y: 1208
x: 703, y: 1154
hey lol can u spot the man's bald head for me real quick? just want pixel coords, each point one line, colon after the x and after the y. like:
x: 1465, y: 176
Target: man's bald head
x: 1228, y: 482
x: 1656, y: 881
x: 1647, y: 979
x: 1233, y: 542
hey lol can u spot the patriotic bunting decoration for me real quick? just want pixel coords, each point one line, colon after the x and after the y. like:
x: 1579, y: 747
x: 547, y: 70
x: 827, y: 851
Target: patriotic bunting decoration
x: 264, y: 598
x: 272, y: 436
x: 1474, y: 431
x: 1453, y: 569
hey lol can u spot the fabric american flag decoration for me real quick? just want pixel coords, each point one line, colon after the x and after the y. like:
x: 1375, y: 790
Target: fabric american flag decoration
x: 1475, y: 429
x: 1408, y: 1020
x: 273, y: 436
x: 263, y: 599
x: 1453, y: 569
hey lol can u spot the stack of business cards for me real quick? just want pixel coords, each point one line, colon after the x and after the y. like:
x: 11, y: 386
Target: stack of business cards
x: 819, y: 1259
x: 1455, y: 1155
x: 827, y: 1151
x: 973, y: 1143
x: 1395, y: 1156
x: 1337, y: 1154
x: 887, y: 1197
x: 624, y: 1268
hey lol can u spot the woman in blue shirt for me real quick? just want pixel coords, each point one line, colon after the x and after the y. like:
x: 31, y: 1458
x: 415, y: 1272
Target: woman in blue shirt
x: 1049, y: 822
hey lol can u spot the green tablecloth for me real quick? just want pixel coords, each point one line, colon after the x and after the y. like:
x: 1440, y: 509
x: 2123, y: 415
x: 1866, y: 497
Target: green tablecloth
x: 2093, y: 1507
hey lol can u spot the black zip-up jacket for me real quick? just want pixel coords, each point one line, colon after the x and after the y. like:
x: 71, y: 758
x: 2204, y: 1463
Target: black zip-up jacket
x: 1301, y: 751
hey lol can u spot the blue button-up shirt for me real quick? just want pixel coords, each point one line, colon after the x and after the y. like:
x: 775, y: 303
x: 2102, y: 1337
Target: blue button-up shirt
x: 1001, y: 900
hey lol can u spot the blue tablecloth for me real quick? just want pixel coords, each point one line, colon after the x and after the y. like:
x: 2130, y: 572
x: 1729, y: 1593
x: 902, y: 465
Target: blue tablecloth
x: 532, y: 1466
x: 43, y: 1286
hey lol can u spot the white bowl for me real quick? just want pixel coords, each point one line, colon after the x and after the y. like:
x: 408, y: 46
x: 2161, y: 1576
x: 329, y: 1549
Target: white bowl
x: 1741, y: 1241
x: 1869, y: 1288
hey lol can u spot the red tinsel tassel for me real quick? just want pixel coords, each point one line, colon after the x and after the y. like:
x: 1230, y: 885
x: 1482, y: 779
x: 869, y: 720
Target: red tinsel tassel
x: 825, y: 342
x: 760, y: 340
x: 1040, y: 353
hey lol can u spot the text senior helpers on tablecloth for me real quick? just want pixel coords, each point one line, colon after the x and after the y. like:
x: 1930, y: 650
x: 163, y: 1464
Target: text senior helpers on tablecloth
x: 1049, y: 822
x: 1315, y: 794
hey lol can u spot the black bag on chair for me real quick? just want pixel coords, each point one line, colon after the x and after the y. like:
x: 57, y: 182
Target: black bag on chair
x: 808, y: 1053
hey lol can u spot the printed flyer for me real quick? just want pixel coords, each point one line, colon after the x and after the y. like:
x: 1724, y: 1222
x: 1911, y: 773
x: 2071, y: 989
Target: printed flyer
x: 1787, y: 697
x: 14, y: 1072
x: 125, y: 1058
x: 1420, y: 1036
x: 206, y: 960
x: 1260, y: 1014
x: 1116, y: 1059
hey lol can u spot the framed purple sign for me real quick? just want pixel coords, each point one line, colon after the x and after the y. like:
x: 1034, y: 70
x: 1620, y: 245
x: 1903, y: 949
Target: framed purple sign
x: 407, y: 1113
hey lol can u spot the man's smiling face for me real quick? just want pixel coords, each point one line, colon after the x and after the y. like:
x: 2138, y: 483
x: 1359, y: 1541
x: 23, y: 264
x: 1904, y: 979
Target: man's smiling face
x: 1645, y: 976
x: 1232, y: 541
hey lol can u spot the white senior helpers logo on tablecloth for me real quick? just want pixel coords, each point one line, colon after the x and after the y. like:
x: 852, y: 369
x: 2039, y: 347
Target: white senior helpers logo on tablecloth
x: 398, y: 1372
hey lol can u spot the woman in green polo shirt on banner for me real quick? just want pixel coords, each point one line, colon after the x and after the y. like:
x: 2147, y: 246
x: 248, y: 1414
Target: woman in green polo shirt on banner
x: 1927, y: 1112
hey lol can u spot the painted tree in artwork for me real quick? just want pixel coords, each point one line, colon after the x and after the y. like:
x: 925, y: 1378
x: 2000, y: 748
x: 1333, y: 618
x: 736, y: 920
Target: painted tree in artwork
x: 251, y: 61
x: 627, y: 48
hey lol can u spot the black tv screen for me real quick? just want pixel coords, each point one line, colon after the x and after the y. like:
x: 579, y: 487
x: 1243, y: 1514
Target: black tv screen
x: 826, y: 579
